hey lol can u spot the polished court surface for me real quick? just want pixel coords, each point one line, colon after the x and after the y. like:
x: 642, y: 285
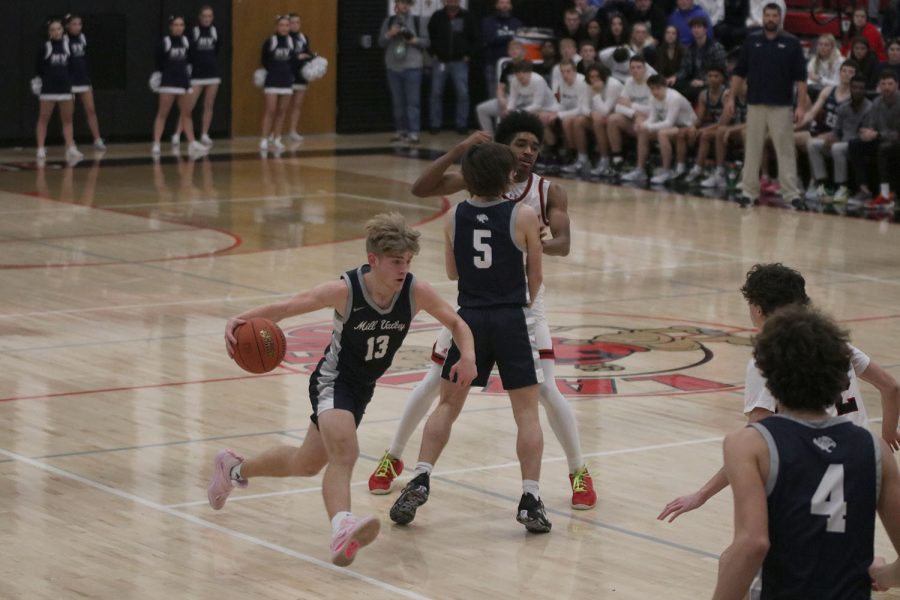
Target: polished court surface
x: 117, y: 276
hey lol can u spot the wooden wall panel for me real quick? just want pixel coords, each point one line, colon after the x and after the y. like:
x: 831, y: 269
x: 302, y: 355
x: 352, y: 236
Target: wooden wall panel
x: 254, y: 20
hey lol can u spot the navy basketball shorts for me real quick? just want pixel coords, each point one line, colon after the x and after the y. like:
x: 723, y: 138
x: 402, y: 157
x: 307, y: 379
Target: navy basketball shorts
x: 327, y: 393
x: 505, y: 336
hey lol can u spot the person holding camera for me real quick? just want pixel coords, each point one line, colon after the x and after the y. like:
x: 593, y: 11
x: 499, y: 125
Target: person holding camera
x: 404, y: 39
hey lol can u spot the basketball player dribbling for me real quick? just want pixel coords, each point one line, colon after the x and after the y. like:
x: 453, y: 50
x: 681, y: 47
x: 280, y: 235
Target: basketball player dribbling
x: 373, y: 307
x: 807, y: 484
x: 523, y: 133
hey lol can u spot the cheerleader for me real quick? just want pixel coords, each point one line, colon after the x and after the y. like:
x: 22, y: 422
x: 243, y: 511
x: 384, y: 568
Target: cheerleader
x: 81, y: 81
x: 304, y: 55
x: 53, y: 86
x: 280, y: 62
x: 205, y: 72
x: 172, y: 80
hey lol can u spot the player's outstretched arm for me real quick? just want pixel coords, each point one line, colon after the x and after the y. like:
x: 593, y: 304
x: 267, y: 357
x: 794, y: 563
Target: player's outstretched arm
x: 435, y: 181
x: 885, y: 576
x: 716, y: 484
x: 332, y: 294
x: 464, y: 371
x: 558, y: 215
x: 890, y: 402
x: 528, y: 230
x: 744, y: 453
x: 684, y: 504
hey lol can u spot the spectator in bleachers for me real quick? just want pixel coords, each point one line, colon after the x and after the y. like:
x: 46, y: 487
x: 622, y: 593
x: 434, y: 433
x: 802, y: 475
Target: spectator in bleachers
x: 890, y: 21
x: 567, y: 51
x: 861, y: 27
x: 879, y: 136
x: 404, y: 39
x: 825, y: 65
x: 864, y: 58
x: 709, y: 115
x: 605, y: 92
x: 681, y: 19
x: 755, y: 16
x: 571, y: 26
x: 618, y: 61
x: 496, y: 32
x: 892, y: 64
x: 594, y: 33
x: 454, y: 40
x: 771, y: 62
x: 848, y: 120
x: 670, y: 115
x: 701, y: 54
x: 669, y: 55
x: 649, y: 13
x: 732, y: 30
x: 574, y: 108
x: 641, y: 43
x: 586, y: 11
x: 715, y: 10
x: 588, y: 54
x: 549, y: 59
x: 819, y: 121
x: 732, y: 130
x: 632, y: 107
x: 616, y: 33
x: 494, y: 108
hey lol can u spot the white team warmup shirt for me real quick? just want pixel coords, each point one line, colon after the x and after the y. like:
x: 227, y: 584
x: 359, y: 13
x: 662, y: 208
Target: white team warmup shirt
x: 639, y: 94
x: 604, y: 103
x: 575, y: 99
x: 673, y: 111
x: 532, y: 97
x: 757, y: 395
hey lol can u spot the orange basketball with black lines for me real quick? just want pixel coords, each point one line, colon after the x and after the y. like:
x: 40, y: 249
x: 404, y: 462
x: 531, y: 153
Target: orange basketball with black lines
x: 260, y: 345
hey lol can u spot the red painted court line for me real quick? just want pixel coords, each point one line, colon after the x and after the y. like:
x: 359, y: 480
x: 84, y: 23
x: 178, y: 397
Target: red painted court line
x: 862, y: 319
x: 287, y: 371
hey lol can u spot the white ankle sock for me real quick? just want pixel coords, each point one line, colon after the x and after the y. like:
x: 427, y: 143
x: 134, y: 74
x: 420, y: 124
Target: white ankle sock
x: 236, y: 471
x: 530, y: 486
x: 423, y: 467
x: 885, y: 189
x: 338, y: 517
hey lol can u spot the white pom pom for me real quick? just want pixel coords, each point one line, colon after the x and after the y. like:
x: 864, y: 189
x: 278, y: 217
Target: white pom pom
x: 315, y: 69
x: 36, y: 84
x: 259, y: 77
x: 155, y: 81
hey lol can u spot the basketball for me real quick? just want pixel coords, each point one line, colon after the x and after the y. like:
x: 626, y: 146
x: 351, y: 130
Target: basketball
x: 260, y: 345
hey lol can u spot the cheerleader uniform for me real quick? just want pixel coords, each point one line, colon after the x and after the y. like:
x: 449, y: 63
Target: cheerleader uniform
x: 172, y: 62
x: 279, y: 60
x: 204, y: 56
x: 52, y: 66
x: 301, y: 46
x: 81, y: 81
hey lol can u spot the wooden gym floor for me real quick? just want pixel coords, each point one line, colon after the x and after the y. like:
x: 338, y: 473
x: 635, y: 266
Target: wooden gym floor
x: 116, y: 279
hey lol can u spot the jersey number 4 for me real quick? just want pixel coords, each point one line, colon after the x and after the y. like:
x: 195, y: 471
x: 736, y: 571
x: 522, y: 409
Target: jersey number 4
x: 828, y: 501
x: 480, y: 238
x: 378, y: 346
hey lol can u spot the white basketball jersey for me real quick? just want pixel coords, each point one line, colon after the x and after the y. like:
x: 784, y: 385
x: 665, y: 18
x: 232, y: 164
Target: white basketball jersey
x: 534, y: 192
x: 756, y: 394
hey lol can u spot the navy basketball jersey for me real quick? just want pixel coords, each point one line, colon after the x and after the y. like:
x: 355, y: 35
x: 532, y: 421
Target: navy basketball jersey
x: 823, y: 486
x: 489, y: 260
x: 366, y: 337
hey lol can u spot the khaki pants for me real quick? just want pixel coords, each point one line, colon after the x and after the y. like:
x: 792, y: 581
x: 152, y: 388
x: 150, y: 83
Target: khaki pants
x: 779, y: 121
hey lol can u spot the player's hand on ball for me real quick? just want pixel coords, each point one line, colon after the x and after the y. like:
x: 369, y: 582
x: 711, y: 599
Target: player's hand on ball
x: 463, y: 372
x: 680, y: 505
x: 230, y: 340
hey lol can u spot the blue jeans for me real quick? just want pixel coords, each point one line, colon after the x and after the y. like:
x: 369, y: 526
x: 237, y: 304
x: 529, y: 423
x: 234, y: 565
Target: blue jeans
x: 406, y: 92
x: 459, y: 71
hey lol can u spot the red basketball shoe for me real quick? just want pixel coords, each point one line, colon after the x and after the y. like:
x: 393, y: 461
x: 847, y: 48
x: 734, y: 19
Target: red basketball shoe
x: 583, y: 495
x: 387, y: 470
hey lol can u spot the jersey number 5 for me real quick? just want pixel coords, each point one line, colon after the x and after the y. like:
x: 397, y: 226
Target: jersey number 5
x: 828, y: 501
x: 480, y: 239
x: 378, y: 346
